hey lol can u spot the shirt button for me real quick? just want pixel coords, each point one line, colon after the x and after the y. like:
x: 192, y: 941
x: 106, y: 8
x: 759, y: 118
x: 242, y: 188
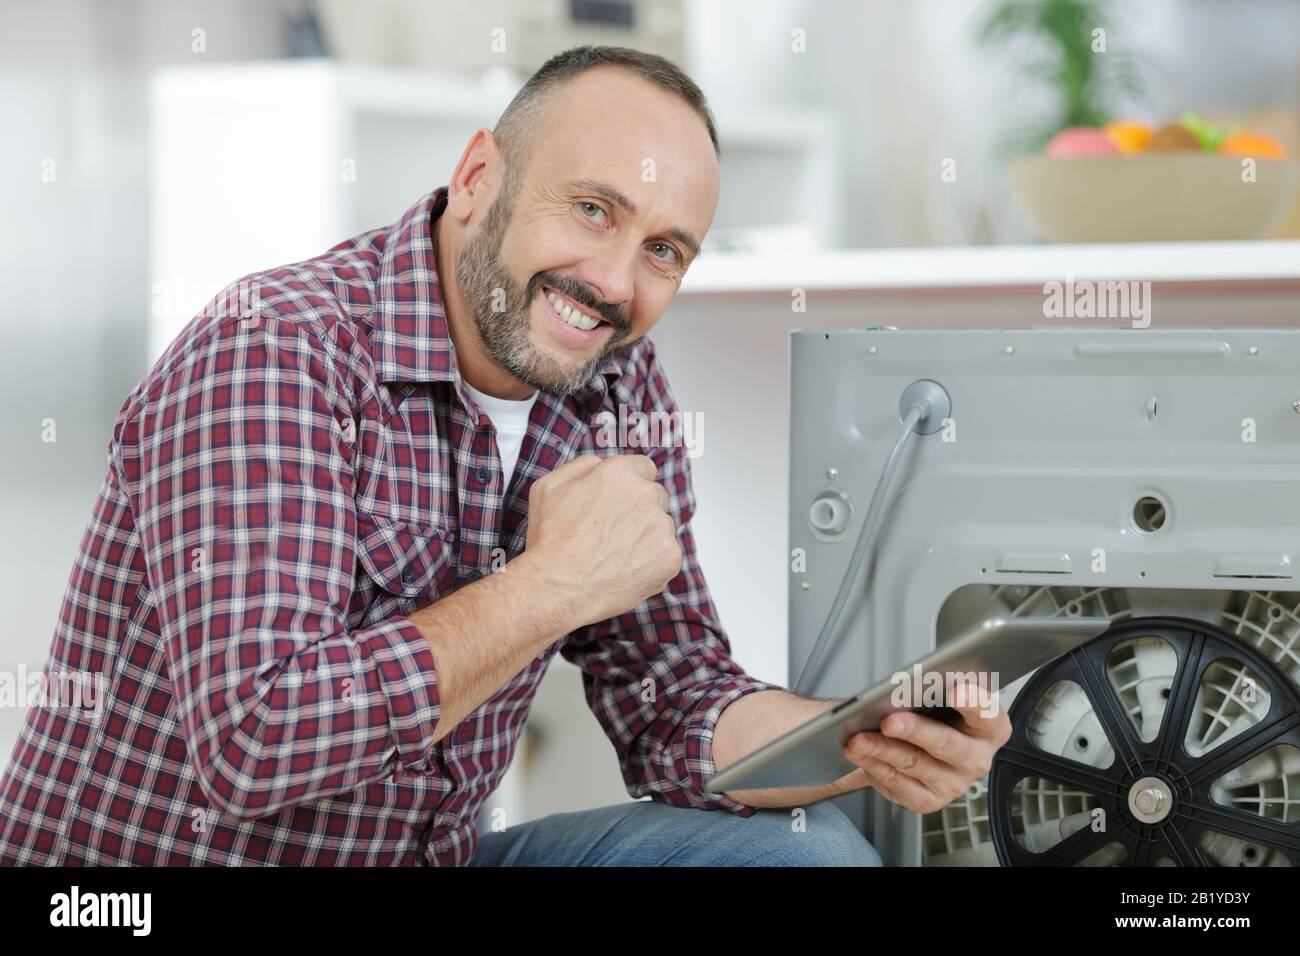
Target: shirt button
x: 408, y: 575
x: 484, y: 476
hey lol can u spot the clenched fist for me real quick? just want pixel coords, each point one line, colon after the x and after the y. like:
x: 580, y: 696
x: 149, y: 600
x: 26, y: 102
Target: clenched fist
x: 602, y: 526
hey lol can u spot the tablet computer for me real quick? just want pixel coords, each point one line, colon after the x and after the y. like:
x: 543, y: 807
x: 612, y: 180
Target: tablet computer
x: 997, y: 652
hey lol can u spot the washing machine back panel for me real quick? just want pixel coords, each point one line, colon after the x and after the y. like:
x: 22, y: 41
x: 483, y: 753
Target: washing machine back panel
x: 1094, y: 459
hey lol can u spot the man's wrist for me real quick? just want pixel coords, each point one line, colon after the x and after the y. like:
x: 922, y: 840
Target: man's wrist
x: 551, y: 596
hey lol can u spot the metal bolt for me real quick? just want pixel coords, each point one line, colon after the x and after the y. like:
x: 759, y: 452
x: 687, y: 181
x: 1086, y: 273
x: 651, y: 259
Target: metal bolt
x: 1296, y: 406
x: 805, y: 585
x: 873, y: 350
x: 1149, y: 800
x: 1254, y: 350
x: 833, y: 473
x: 1011, y: 350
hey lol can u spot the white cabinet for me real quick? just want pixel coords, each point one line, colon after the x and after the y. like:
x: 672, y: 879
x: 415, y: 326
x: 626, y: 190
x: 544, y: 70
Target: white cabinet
x: 256, y: 165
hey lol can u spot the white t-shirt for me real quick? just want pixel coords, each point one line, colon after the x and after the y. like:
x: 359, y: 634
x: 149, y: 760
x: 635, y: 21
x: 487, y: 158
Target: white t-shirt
x: 510, y: 418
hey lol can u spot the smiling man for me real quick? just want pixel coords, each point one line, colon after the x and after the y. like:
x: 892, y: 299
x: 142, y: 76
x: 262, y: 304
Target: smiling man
x: 346, y: 525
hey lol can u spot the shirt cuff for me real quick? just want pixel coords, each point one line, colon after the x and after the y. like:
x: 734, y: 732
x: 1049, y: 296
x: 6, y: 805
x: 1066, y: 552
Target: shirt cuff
x: 699, y: 739
x: 408, y: 680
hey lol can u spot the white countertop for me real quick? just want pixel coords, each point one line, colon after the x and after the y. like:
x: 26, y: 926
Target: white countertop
x: 981, y: 266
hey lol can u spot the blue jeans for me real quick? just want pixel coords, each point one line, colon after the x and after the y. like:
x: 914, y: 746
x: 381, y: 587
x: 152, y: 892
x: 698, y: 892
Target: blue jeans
x: 647, y: 833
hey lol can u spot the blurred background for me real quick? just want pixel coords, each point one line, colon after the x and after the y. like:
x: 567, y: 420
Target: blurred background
x: 158, y: 149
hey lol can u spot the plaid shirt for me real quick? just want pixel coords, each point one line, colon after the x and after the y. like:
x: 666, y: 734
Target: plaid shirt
x: 300, y: 471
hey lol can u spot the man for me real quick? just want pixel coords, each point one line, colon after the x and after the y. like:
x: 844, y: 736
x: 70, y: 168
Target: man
x: 358, y: 504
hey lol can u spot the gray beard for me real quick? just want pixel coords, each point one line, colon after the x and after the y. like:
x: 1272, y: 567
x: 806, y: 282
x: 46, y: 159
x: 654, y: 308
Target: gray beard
x: 506, y: 334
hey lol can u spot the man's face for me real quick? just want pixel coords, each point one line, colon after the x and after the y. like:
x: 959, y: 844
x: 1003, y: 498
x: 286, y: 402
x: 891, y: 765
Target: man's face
x: 620, y: 186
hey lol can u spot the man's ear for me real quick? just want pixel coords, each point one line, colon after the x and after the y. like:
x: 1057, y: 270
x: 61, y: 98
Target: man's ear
x: 476, y: 177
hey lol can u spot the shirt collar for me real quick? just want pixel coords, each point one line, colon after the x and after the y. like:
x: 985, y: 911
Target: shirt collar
x: 409, y: 339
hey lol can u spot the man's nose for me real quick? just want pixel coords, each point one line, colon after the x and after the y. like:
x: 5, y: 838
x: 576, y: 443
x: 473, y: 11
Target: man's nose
x: 611, y: 275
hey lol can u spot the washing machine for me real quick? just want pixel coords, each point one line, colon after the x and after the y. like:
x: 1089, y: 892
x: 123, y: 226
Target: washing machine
x: 1148, y: 476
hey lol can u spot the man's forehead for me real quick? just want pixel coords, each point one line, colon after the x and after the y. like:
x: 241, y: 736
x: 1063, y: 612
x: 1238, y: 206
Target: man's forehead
x: 629, y: 119
x: 646, y: 143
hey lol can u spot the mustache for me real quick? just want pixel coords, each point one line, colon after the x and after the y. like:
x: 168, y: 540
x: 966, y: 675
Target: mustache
x: 581, y: 295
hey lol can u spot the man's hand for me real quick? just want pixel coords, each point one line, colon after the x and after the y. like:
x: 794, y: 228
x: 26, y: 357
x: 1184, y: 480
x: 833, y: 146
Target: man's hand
x: 600, y: 541
x: 923, y: 764
x: 602, y: 526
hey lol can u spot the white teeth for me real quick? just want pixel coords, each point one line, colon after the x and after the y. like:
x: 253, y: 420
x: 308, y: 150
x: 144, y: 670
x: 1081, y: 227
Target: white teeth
x: 570, y: 314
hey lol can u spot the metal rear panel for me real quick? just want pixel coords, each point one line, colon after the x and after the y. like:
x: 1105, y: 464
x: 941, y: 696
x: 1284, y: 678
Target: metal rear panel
x: 1055, y: 437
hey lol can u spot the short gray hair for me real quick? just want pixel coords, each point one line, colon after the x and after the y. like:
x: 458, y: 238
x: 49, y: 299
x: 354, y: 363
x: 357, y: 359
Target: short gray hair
x: 518, y: 124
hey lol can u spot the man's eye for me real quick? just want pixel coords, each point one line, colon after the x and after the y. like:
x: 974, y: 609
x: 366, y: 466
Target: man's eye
x: 593, y: 207
x: 670, y: 251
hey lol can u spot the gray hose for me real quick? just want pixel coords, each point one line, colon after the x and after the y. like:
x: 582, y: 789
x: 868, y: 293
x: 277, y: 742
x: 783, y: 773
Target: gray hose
x: 915, y: 414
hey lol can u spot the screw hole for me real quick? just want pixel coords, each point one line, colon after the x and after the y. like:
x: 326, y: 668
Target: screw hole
x: 1081, y: 743
x: 1149, y: 514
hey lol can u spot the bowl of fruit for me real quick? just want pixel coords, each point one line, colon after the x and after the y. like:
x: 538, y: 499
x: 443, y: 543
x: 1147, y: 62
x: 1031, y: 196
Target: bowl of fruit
x: 1129, y: 182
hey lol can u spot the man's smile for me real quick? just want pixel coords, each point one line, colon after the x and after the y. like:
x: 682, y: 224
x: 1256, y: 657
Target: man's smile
x: 573, y: 325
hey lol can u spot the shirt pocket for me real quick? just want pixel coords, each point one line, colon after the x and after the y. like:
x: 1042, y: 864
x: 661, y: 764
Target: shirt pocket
x: 409, y: 564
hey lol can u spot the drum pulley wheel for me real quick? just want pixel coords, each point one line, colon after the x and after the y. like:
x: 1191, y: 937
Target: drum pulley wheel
x: 1155, y: 796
